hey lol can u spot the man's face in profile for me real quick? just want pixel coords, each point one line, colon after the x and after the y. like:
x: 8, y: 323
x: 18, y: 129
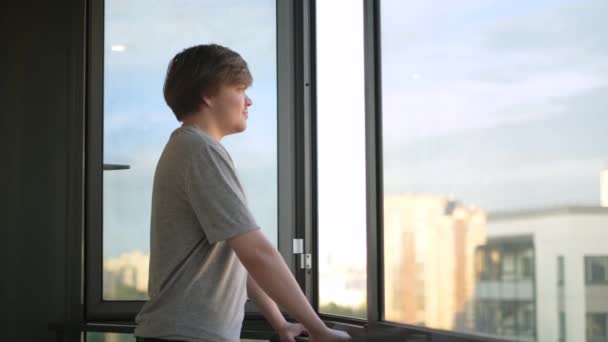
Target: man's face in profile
x: 230, y: 107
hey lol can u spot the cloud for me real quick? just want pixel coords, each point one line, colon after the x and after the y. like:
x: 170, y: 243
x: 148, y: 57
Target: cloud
x: 578, y: 27
x: 537, y: 163
x: 484, y: 65
x: 442, y: 107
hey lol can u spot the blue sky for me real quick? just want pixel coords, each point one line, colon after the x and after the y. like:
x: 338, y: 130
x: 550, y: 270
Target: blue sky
x: 501, y: 104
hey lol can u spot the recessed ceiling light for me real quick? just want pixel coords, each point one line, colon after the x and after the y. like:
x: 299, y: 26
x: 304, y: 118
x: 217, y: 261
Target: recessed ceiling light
x: 119, y: 48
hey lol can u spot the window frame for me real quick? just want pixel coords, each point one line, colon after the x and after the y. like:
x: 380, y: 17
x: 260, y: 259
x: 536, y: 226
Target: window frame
x: 309, y: 11
x: 372, y: 25
x: 289, y: 105
x: 372, y: 42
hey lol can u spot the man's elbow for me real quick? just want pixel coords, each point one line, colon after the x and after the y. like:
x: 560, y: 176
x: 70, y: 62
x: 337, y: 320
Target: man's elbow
x: 252, y: 248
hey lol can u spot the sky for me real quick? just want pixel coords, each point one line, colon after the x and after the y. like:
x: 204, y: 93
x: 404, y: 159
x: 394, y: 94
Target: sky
x: 499, y: 104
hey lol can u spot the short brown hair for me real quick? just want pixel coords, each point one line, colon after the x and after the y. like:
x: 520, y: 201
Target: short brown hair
x: 201, y: 70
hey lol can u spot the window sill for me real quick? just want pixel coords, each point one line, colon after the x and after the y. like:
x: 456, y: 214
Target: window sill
x: 256, y: 328
x: 252, y: 329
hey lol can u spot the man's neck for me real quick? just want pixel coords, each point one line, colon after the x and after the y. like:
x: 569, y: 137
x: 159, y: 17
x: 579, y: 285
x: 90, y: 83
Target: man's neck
x: 205, y: 124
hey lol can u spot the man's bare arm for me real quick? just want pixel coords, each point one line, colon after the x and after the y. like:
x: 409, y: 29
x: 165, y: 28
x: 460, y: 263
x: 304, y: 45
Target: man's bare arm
x: 265, y: 264
x: 265, y: 304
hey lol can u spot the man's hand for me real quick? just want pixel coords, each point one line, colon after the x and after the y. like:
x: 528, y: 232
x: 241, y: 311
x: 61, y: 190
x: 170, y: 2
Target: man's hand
x: 272, y: 283
x: 331, y: 335
x: 289, y: 331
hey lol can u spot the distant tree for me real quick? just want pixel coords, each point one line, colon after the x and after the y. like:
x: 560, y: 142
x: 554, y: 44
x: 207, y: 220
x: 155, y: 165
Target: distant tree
x: 126, y: 292
x: 338, y: 310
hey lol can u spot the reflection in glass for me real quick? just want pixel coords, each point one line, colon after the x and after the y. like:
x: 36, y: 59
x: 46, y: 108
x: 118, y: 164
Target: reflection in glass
x: 341, y: 159
x: 140, y: 38
x: 495, y: 161
x: 109, y: 337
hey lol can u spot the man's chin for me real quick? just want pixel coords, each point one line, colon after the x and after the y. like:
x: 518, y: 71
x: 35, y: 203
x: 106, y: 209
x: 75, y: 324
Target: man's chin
x: 240, y: 128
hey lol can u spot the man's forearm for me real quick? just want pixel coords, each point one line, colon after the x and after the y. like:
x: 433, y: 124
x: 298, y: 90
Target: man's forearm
x: 268, y: 269
x: 265, y: 304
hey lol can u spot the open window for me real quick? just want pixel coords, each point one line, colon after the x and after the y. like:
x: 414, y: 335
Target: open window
x: 128, y: 123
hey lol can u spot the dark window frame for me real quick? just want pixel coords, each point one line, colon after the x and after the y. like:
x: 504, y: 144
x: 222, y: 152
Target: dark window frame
x: 95, y: 308
x: 375, y: 189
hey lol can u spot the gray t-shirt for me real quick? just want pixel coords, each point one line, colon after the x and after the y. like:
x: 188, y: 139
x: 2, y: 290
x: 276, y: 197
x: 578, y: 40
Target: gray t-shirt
x: 197, y: 285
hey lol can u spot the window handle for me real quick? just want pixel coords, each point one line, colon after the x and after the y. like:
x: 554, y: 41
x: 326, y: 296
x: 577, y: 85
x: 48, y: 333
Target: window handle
x: 114, y: 167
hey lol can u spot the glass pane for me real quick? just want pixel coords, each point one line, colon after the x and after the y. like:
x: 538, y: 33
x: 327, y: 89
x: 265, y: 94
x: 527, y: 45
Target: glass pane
x: 495, y: 135
x: 341, y: 159
x: 140, y: 39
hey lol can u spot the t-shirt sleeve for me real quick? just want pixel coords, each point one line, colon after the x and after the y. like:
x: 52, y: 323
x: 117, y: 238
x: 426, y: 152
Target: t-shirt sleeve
x: 216, y: 196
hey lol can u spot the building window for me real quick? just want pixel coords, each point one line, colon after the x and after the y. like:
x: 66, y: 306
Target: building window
x: 526, y: 265
x: 508, y: 266
x: 526, y: 320
x: 562, y: 326
x: 597, y: 327
x: 596, y: 270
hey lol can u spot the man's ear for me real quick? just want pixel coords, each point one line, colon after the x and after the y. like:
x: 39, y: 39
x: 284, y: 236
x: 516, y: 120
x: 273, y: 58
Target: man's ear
x: 207, y: 100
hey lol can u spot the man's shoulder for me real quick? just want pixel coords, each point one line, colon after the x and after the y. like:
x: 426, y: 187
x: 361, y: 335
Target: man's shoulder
x: 188, y: 143
x: 196, y: 138
x: 199, y: 148
x: 186, y: 135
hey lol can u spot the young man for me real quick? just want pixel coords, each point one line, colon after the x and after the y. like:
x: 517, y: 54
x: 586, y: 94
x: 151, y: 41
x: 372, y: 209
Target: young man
x: 207, y: 252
